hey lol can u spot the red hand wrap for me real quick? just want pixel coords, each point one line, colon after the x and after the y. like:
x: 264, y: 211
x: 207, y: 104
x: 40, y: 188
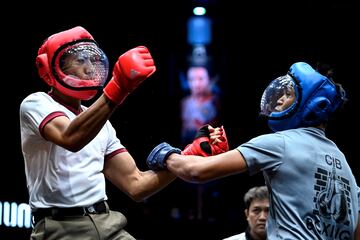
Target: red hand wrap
x: 201, y: 146
x: 195, y: 147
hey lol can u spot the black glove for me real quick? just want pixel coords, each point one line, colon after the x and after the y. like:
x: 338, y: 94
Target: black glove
x: 157, y: 157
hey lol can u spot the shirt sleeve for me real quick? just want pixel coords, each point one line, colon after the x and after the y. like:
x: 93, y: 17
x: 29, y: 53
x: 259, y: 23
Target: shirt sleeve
x: 35, y: 109
x: 264, y: 152
x: 113, y: 144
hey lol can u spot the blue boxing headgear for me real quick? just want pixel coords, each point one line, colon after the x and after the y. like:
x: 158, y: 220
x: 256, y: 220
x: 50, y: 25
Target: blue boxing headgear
x: 316, y: 98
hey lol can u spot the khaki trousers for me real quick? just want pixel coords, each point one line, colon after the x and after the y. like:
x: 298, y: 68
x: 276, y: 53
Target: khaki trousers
x: 104, y: 226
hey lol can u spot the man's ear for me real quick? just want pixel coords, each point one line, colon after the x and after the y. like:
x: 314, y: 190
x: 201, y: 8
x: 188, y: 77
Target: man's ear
x: 246, y: 211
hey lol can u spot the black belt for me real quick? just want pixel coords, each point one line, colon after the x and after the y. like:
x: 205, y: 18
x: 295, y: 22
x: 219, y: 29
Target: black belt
x: 58, y: 213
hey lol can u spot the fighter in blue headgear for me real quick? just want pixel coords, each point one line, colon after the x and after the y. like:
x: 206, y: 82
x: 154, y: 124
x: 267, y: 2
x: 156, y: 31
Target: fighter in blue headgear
x: 314, y: 97
x: 312, y: 189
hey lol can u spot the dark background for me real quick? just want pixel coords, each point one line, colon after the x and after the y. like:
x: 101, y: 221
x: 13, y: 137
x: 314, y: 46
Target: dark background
x: 252, y: 44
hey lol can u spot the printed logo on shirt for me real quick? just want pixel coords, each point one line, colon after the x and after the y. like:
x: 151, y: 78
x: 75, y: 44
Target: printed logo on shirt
x: 331, y: 203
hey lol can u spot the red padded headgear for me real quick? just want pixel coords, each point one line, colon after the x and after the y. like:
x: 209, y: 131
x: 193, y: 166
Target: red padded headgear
x: 48, y: 63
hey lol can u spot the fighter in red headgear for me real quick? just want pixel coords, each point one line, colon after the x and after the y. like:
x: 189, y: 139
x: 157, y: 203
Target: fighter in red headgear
x: 70, y: 149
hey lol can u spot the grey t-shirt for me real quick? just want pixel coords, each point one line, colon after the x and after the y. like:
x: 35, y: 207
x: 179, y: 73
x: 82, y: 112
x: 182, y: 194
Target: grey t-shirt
x: 313, y: 193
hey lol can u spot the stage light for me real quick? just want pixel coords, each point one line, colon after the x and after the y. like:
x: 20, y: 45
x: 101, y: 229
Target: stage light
x: 199, y: 11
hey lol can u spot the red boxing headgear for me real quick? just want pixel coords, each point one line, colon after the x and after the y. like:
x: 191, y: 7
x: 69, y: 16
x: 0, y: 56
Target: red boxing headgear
x: 78, y: 43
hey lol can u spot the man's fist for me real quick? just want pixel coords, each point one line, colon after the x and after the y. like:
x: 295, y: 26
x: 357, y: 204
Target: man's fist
x: 206, y: 145
x: 157, y: 157
x: 131, y: 69
x: 208, y: 141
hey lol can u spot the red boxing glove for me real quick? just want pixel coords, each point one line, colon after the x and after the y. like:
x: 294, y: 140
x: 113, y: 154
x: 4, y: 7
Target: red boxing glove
x: 201, y: 146
x: 131, y: 69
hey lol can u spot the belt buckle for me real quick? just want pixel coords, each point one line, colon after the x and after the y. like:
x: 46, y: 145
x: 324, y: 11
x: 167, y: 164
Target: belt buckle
x: 90, y: 209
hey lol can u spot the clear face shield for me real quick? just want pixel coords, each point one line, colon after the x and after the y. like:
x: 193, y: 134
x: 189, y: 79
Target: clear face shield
x: 279, y: 98
x: 82, y: 66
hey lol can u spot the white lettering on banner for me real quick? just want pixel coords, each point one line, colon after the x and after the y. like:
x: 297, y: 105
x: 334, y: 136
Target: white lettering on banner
x: 14, y: 215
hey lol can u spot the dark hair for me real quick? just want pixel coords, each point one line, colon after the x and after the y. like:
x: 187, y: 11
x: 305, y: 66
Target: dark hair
x: 329, y: 71
x: 255, y: 193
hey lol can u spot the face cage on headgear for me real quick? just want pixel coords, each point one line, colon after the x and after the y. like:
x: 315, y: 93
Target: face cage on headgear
x: 85, y: 52
x: 275, y: 90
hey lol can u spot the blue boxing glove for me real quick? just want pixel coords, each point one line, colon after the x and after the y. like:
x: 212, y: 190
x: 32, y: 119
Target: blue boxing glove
x: 157, y: 157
